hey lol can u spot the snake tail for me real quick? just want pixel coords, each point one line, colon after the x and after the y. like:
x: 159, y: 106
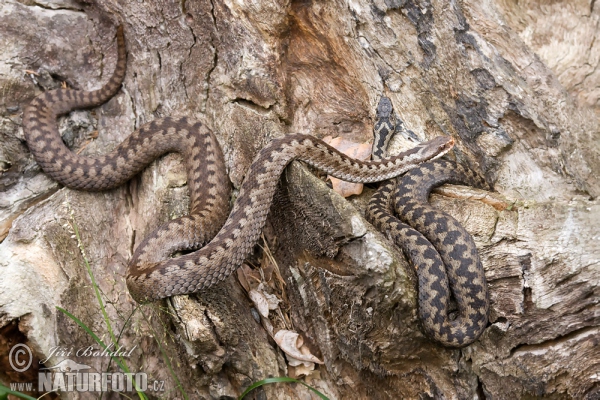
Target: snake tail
x: 219, y: 240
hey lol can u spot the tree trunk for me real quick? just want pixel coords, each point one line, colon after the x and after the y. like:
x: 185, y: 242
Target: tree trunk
x: 515, y: 83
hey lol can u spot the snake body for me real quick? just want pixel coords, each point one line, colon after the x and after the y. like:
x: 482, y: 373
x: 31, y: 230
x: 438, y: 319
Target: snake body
x: 442, y: 251
x: 226, y: 239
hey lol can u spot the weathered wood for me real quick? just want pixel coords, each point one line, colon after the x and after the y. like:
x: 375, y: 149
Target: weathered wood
x: 516, y: 84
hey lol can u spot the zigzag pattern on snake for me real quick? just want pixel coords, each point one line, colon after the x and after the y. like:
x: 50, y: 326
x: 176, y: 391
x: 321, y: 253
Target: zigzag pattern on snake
x: 227, y: 239
x: 441, y: 250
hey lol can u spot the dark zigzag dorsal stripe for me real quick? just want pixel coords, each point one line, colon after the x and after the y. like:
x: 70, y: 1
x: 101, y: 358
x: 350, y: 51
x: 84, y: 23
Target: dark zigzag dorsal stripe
x: 436, y: 244
x: 227, y: 240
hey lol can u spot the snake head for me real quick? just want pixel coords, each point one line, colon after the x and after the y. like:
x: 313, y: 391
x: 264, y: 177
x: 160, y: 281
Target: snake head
x: 434, y: 148
x: 384, y: 108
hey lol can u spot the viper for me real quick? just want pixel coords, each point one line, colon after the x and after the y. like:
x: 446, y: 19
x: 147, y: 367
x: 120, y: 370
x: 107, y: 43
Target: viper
x: 443, y: 253
x: 219, y: 240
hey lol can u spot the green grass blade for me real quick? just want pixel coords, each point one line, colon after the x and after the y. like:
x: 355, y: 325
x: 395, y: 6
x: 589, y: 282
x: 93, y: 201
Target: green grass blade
x: 122, y: 331
x: 119, y: 361
x: 94, y: 284
x: 279, y: 380
x: 4, y: 392
x: 166, y: 358
x: 92, y: 334
x: 101, y: 343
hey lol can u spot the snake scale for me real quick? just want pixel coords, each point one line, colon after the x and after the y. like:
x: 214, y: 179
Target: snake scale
x: 221, y: 241
x: 442, y: 251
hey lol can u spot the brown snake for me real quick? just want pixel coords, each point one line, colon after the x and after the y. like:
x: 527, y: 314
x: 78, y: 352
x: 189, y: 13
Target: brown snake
x: 442, y: 251
x: 227, y: 240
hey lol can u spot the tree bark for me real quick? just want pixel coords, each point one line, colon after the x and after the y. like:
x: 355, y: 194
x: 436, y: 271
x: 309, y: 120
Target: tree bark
x: 516, y: 84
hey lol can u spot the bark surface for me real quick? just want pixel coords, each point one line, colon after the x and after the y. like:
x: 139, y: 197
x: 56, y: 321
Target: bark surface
x: 516, y: 84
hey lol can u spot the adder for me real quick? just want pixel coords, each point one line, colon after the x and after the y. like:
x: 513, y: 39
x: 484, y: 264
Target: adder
x: 442, y: 251
x: 221, y: 240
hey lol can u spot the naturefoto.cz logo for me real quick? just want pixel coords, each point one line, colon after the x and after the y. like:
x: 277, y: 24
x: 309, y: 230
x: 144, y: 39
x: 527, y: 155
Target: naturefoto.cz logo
x: 69, y: 375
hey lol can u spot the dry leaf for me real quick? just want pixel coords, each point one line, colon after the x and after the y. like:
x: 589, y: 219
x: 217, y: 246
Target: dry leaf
x: 260, y: 301
x: 248, y: 277
x: 242, y: 279
x: 301, y: 370
x: 291, y: 344
x: 272, y: 300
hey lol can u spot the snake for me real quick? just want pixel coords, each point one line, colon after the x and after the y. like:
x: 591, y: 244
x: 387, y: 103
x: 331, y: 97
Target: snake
x: 441, y: 250
x: 217, y: 240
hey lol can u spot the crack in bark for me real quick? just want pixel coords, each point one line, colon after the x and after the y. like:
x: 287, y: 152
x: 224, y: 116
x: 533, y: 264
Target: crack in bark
x: 33, y: 3
x: 480, y: 391
x: 189, y: 56
x: 252, y: 105
x: 493, y: 233
x: 550, y: 343
x: 525, y: 264
x: 358, y: 32
x: 91, y: 44
x: 213, y: 328
x: 215, y: 55
x: 594, y: 67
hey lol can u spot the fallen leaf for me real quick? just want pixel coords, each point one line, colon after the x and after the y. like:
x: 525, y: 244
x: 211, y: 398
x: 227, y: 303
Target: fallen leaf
x: 272, y: 300
x: 291, y: 344
x: 301, y: 370
x: 248, y: 277
x: 260, y: 301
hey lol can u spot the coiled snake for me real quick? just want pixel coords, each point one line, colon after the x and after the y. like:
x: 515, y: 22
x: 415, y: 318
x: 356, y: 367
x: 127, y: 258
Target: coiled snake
x: 227, y: 239
x: 442, y: 251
